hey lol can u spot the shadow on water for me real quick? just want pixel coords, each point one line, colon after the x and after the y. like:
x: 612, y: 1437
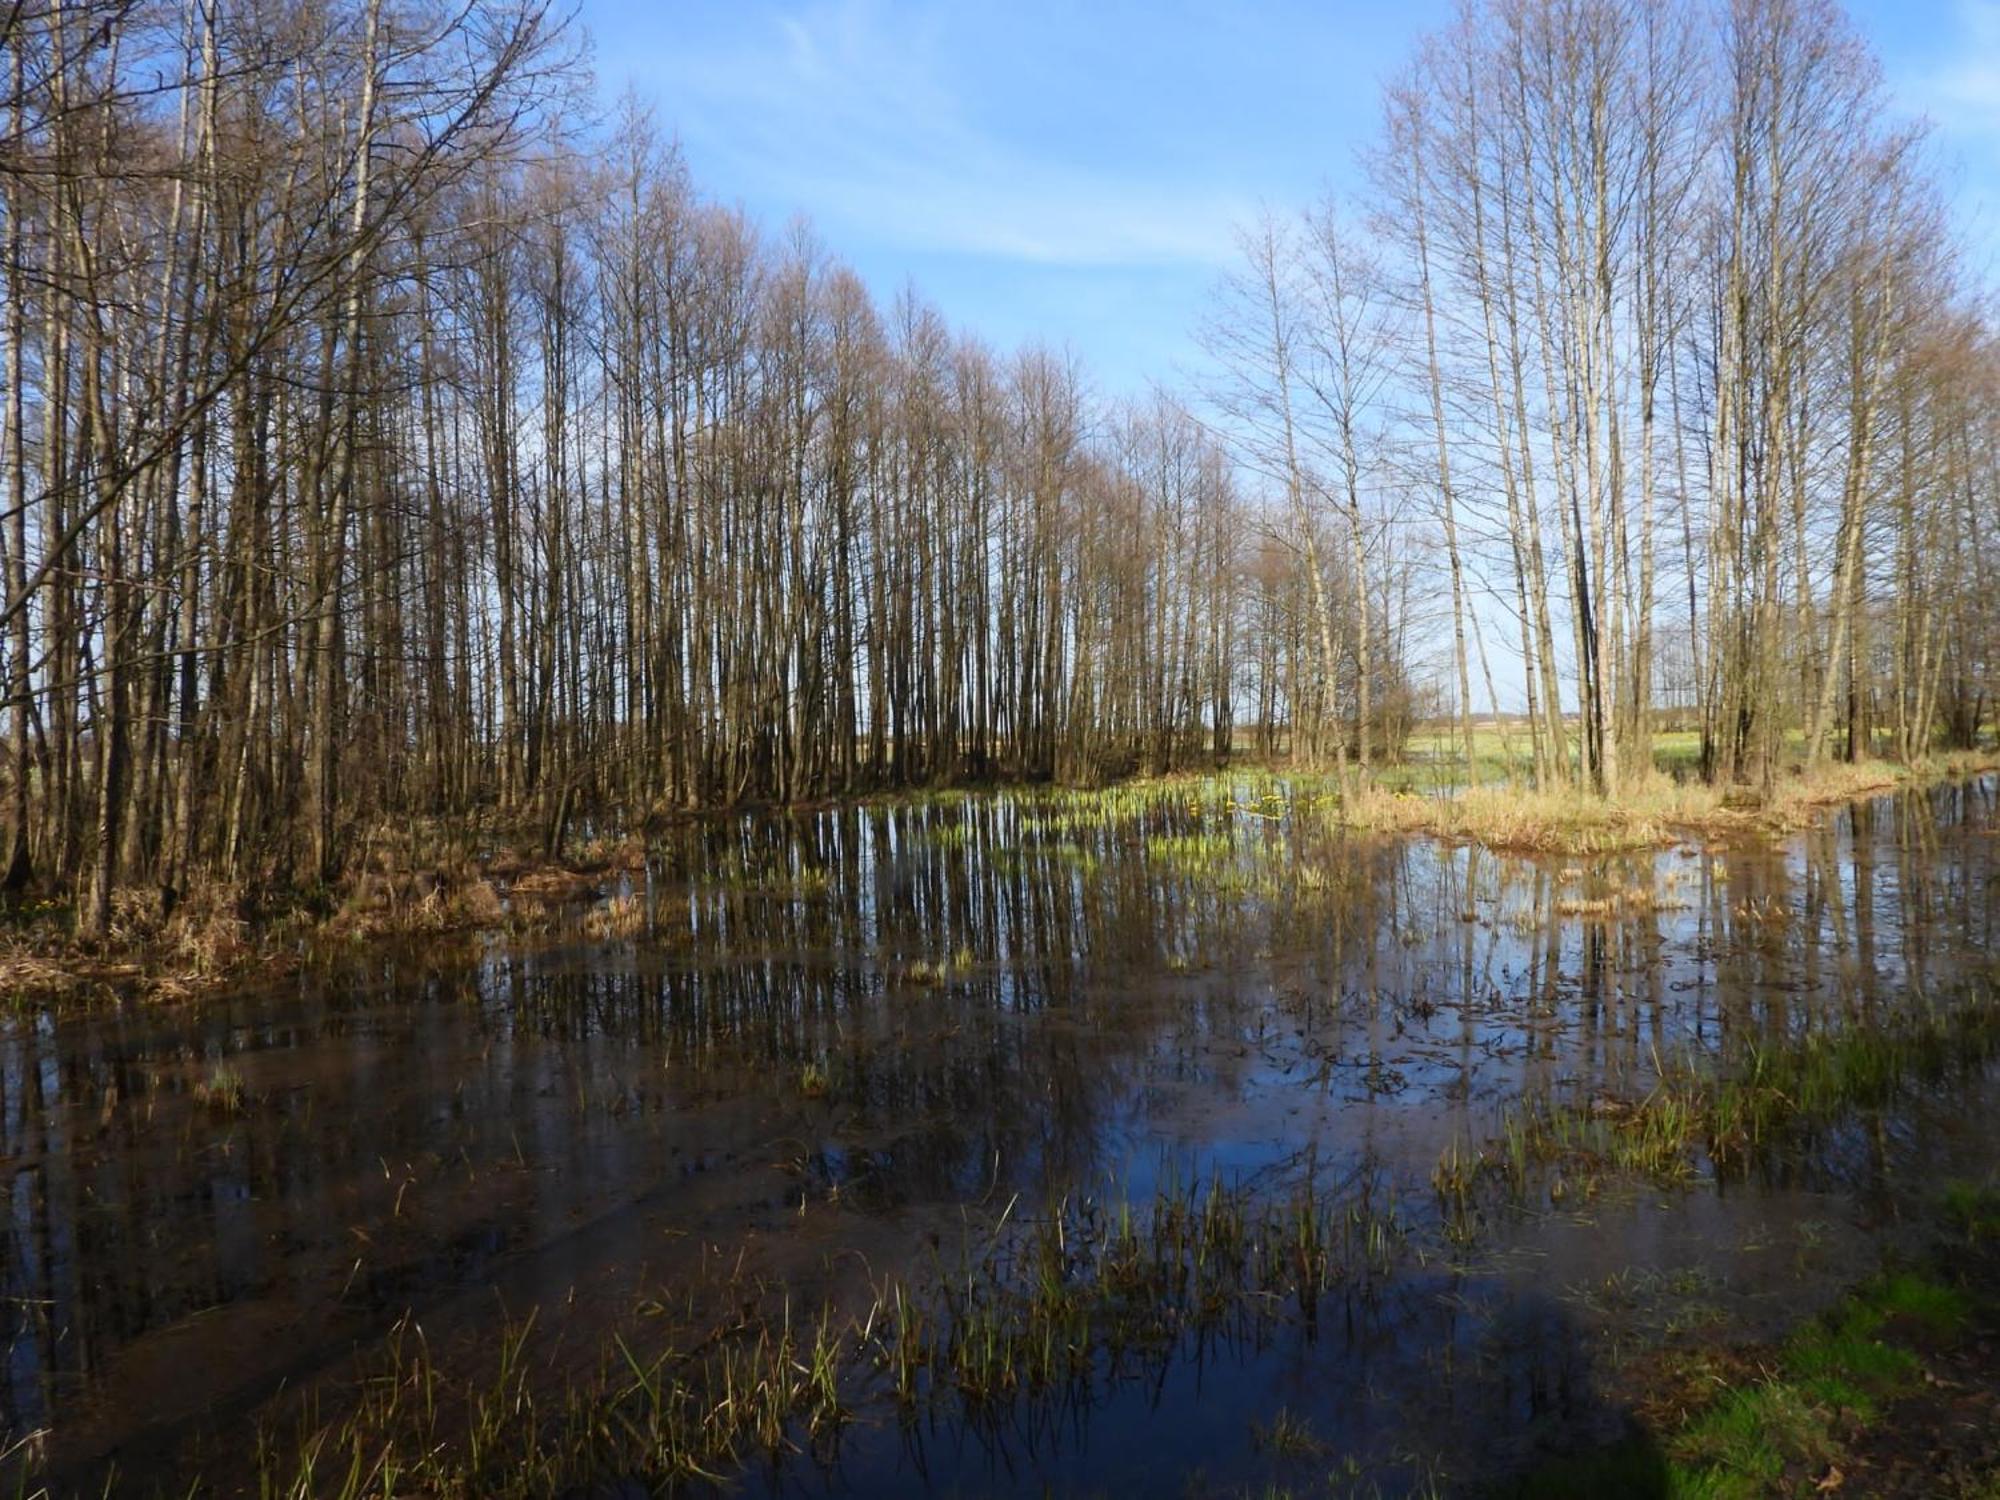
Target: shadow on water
x: 819, y: 1046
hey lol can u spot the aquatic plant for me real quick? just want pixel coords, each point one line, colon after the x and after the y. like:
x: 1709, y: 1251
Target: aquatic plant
x: 940, y: 971
x: 1972, y: 1210
x: 1028, y: 1309
x: 620, y: 916
x: 1454, y: 1179
x: 814, y: 1080
x: 1288, y: 1436
x: 1192, y: 853
x: 1701, y: 1115
x: 1636, y: 899
x: 221, y: 1091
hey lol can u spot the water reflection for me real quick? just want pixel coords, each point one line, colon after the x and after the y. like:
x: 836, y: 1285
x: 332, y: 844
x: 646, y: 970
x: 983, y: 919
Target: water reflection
x: 832, y: 1029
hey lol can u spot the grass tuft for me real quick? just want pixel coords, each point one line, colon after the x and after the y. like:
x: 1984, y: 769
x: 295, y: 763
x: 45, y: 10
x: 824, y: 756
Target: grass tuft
x: 221, y: 1091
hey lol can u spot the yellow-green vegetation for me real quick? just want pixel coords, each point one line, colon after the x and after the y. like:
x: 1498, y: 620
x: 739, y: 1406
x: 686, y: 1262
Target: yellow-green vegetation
x: 621, y: 916
x: 1434, y: 753
x: 949, y: 836
x: 1434, y: 756
x: 776, y: 881
x: 221, y: 1091
x: 1193, y: 853
x: 1023, y: 1312
x: 1427, y: 794
x: 814, y: 1081
x: 1203, y: 827
x: 1781, y: 1422
x: 940, y: 970
x: 1697, y: 1113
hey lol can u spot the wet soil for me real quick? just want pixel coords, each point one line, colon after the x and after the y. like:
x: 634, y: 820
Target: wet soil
x: 1943, y: 1440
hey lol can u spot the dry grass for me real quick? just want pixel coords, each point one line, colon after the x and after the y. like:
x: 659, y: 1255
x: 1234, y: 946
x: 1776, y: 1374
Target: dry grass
x: 1654, y: 813
x: 213, y: 937
x: 26, y: 974
x: 159, y: 953
x: 619, y: 917
x: 553, y: 883
x: 1636, y: 899
x: 1799, y: 798
x: 207, y: 933
x: 408, y: 878
x: 1535, y: 822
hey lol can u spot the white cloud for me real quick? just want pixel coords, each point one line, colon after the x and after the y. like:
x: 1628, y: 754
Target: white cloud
x: 1953, y: 80
x: 1959, y: 85
x: 847, y: 109
x: 1963, y: 93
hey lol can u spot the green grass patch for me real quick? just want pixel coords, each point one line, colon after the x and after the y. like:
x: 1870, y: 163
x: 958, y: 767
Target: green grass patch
x: 1831, y: 1378
x: 1745, y: 1443
x: 1785, y: 1430
x: 1972, y: 1210
x: 1943, y: 1310
x: 1716, y: 1115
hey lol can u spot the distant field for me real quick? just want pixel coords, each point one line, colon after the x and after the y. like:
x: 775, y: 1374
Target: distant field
x: 1432, y: 755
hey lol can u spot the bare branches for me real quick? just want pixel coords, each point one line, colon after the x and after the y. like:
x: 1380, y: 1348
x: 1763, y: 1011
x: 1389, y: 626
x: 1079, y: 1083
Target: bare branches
x: 1646, y: 268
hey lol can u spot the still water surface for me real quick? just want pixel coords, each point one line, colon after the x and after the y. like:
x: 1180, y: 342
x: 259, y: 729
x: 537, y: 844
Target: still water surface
x: 1007, y: 998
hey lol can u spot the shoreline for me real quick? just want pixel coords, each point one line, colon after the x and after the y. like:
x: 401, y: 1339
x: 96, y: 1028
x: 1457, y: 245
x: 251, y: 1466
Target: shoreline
x: 216, y: 940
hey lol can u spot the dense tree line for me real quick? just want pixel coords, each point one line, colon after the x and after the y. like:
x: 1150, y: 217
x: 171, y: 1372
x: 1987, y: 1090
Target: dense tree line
x: 1652, y: 325
x: 381, y: 443
x: 386, y: 437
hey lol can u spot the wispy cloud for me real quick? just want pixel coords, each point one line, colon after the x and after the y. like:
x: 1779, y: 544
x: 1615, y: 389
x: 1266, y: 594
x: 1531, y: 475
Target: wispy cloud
x: 1952, y: 78
x: 1962, y: 90
x: 853, y: 110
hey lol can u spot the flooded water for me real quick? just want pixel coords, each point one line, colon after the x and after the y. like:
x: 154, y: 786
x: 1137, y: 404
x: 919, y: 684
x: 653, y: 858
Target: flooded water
x: 829, y: 1039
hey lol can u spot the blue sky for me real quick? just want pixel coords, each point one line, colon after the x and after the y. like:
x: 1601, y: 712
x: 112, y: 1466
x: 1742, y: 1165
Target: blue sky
x: 1071, y: 170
